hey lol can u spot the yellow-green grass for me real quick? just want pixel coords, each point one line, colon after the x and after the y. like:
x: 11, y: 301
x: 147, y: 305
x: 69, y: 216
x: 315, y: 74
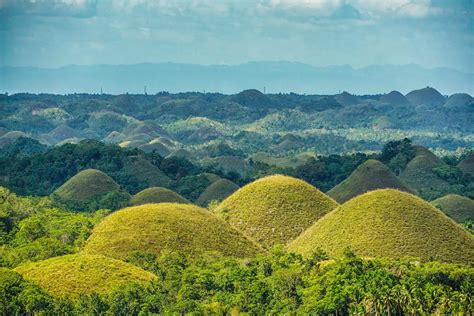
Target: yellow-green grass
x: 228, y: 164
x: 388, y: 223
x: 459, y: 208
x: 419, y: 175
x: 467, y: 164
x: 73, y: 275
x: 86, y: 185
x: 132, y: 143
x: 167, y: 226
x: 369, y: 176
x: 284, y: 162
x: 159, y: 148
x: 157, y: 195
x: 275, y: 209
x: 146, y: 172
x: 217, y: 191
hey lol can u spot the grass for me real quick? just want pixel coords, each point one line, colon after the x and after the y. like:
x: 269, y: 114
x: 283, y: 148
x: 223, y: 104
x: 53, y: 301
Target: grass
x: 86, y: 185
x: 467, y: 164
x: 157, y: 195
x: 370, y: 175
x: 292, y: 161
x: 217, y: 191
x: 146, y: 172
x: 388, y: 223
x: 73, y: 275
x: 457, y: 207
x: 276, y: 209
x: 228, y: 164
x: 167, y: 226
x: 159, y: 148
x: 419, y: 175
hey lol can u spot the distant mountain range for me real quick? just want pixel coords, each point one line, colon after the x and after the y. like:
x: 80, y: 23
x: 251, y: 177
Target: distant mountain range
x: 274, y: 77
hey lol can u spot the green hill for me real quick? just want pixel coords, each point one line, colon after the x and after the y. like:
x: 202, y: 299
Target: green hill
x: 394, y: 98
x: 276, y: 209
x: 176, y: 227
x: 157, y: 195
x: 388, y: 223
x: 420, y: 175
x: 428, y: 96
x: 114, y: 138
x: 467, y: 164
x: 86, y: 185
x: 159, y: 148
x: 370, y: 175
x: 146, y: 172
x: 73, y: 275
x: 228, y: 164
x: 459, y: 208
x: 217, y: 191
x: 346, y: 99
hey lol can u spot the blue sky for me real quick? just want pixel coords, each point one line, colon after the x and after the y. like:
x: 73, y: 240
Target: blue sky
x: 436, y: 33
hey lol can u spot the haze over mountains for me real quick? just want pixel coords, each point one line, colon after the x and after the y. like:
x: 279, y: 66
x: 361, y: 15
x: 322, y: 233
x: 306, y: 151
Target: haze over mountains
x: 274, y: 76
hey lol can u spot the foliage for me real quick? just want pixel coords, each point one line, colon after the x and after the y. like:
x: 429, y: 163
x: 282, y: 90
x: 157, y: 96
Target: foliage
x: 388, y: 223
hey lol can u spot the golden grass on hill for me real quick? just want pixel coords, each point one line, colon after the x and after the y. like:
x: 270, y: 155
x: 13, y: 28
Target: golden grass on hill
x: 73, y: 275
x: 175, y: 227
x: 276, y: 209
x: 459, y: 208
x: 217, y: 191
x: 388, y: 223
x: 370, y: 175
x: 157, y: 195
x: 85, y: 185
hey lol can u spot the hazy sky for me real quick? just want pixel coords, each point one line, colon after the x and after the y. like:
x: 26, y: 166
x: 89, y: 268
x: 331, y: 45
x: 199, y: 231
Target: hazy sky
x: 319, y: 32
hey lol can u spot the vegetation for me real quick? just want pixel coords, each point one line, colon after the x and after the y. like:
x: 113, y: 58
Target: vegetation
x: 277, y: 283
x: 276, y: 209
x: 73, y: 275
x: 217, y: 191
x: 370, y: 175
x: 166, y: 226
x: 388, y: 223
x: 459, y: 208
x: 157, y: 195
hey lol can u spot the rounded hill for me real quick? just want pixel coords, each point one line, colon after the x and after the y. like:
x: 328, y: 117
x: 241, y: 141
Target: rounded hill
x: 394, y: 98
x: 427, y: 97
x: 388, y: 223
x: 86, y: 185
x: 467, y: 164
x: 176, y: 227
x: 275, y: 209
x: 459, y: 208
x: 217, y: 191
x: 157, y: 195
x: 370, y: 175
x: 73, y: 275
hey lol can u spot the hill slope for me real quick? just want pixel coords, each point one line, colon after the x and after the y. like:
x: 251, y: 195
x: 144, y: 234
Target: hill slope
x: 73, y: 275
x: 457, y: 207
x: 388, y: 223
x: 428, y: 97
x: 217, y: 191
x: 176, y: 227
x: 467, y: 164
x: 86, y: 185
x: 370, y: 175
x: 157, y: 195
x: 276, y: 209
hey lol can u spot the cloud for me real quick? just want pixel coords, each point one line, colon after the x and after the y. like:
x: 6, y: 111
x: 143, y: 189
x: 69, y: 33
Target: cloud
x: 73, y: 8
x: 397, y: 8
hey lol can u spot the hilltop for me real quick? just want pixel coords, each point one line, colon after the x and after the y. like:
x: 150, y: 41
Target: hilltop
x: 428, y: 97
x: 388, y: 223
x: 166, y: 226
x: 368, y: 176
x: 275, y: 209
x: 74, y: 275
x: 457, y: 207
x: 157, y: 195
x: 217, y: 191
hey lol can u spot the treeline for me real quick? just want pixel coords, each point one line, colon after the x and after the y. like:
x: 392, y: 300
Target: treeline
x: 276, y: 283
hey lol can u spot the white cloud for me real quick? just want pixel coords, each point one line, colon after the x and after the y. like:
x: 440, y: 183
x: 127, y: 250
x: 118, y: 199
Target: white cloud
x: 402, y: 8
x: 78, y: 8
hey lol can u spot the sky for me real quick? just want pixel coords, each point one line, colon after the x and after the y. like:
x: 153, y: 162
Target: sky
x: 430, y: 33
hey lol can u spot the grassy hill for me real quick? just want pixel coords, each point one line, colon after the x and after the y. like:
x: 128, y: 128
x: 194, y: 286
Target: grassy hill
x: 275, y: 209
x: 370, y: 175
x: 217, y: 191
x: 459, y: 208
x: 394, y: 98
x: 73, y: 275
x: 158, y: 147
x: 467, y: 164
x: 228, y: 164
x: 176, y: 227
x: 157, y: 195
x: 144, y: 171
x: 86, y: 185
x: 420, y: 175
x: 388, y: 223
x: 428, y: 96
